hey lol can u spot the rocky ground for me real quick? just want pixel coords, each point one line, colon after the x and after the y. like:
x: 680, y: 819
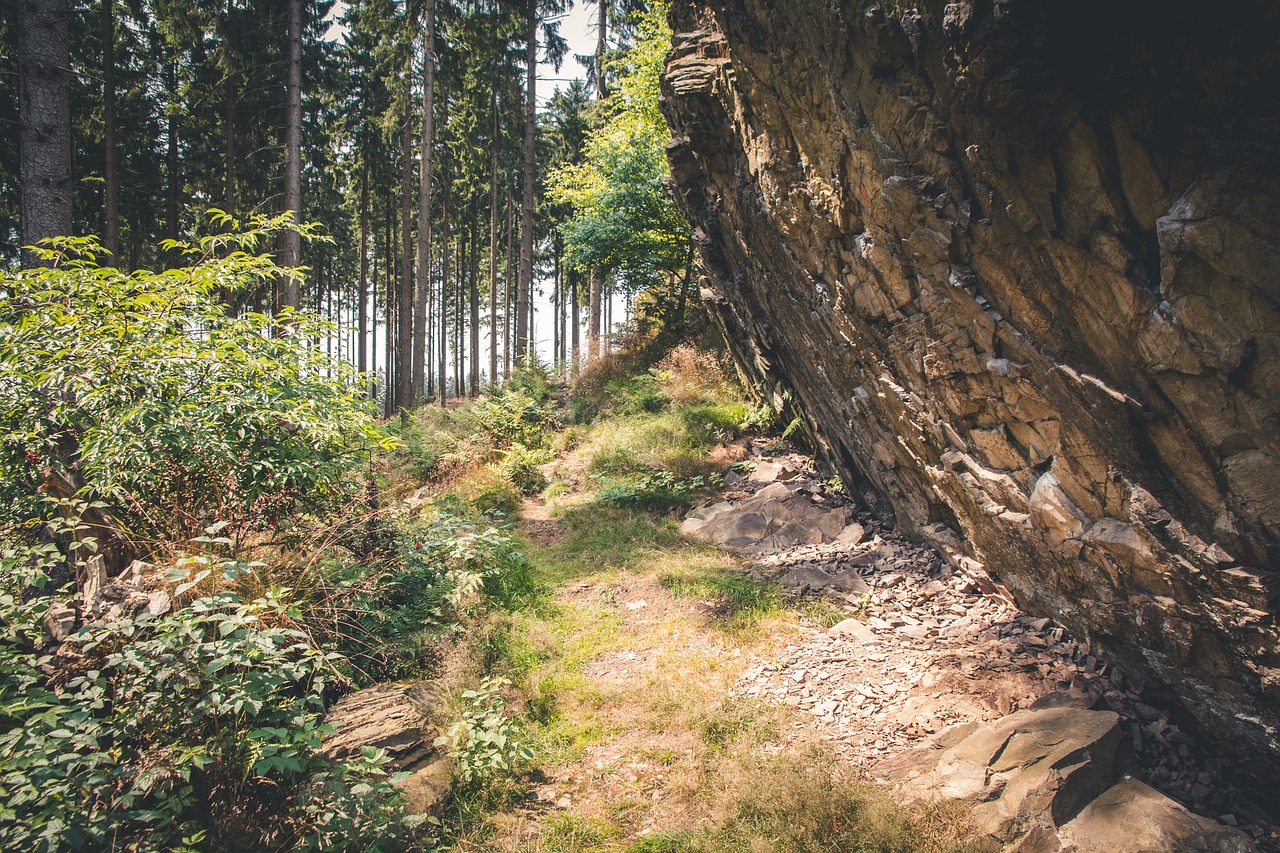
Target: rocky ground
x: 929, y: 646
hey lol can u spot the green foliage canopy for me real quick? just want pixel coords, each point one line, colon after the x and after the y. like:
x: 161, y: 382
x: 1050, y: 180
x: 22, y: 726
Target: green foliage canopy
x: 141, y: 389
x: 624, y: 220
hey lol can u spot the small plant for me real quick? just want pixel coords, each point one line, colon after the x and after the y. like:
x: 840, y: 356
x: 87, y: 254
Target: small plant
x: 656, y: 490
x: 484, y: 743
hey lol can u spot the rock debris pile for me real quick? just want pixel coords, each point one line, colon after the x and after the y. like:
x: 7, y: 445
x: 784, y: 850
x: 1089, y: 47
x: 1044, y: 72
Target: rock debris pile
x: 931, y: 648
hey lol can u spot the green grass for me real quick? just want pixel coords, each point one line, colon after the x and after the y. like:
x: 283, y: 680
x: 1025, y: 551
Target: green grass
x: 741, y: 601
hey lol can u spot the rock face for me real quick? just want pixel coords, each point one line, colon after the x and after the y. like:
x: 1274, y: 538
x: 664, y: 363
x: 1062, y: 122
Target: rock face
x: 1018, y: 265
x: 391, y: 717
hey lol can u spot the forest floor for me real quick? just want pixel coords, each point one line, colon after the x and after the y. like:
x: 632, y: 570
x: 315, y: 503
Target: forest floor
x: 635, y: 668
x: 680, y: 696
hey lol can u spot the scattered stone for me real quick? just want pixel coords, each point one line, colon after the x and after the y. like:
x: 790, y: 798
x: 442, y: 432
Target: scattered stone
x: 59, y: 621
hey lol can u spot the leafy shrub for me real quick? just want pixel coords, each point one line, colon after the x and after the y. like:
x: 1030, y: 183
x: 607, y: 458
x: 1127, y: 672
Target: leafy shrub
x: 511, y: 417
x: 138, y: 387
x: 520, y: 468
x: 158, y: 732
x: 657, y: 490
x: 484, y: 743
x: 439, y: 568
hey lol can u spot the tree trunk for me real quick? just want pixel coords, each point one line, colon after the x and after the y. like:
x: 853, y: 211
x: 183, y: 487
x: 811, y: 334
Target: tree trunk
x: 602, y: 46
x: 443, y: 365
x: 593, y: 317
x: 404, y: 339
x: 525, y: 284
x: 474, y: 364
x: 459, y: 289
x: 577, y: 322
x: 493, y: 235
x: 362, y: 297
x: 507, y: 318
x: 111, y: 171
x: 556, y: 294
x: 45, y: 108
x: 229, y: 145
x: 172, y: 178
x: 291, y: 241
x: 389, y: 303
x: 420, y: 366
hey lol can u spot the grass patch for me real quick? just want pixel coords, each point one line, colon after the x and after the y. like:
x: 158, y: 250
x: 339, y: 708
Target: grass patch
x: 809, y: 803
x: 742, y: 602
x: 600, y: 537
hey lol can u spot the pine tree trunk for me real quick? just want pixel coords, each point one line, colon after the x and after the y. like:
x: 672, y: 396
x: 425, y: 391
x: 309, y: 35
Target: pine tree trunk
x: 442, y: 366
x: 556, y: 293
x: 602, y: 46
x: 577, y: 323
x: 493, y: 235
x: 420, y: 365
x: 111, y: 171
x: 362, y: 297
x: 45, y: 109
x: 459, y: 289
x: 389, y: 289
x: 508, y: 296
x: 530, y: 166
x: 229, y: 146
x: 290, y: 241
x: 474, y: 275
x: 404, y: 338
x: 172, y: 178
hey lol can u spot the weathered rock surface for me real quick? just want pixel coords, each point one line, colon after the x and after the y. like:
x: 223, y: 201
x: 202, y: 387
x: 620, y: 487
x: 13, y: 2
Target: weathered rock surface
x: 779, y: 516
x: 1130, y: 817
x: 1033, y: 767
x: 392, y: 717
x: 1018, y: 265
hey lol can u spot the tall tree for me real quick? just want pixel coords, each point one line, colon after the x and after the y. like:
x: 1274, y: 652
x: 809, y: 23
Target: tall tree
x: 420, y: 359
x: 45, y: 111
x: 555, y: 52
x: 111, y: 172
x: 291, y: 241
x: 404, y: 336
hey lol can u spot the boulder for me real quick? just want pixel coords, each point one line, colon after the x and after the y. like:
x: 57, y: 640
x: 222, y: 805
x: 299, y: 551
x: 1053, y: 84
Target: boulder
x: 1031, y: 768
x: 393, y: 717
x: 1131, y: 817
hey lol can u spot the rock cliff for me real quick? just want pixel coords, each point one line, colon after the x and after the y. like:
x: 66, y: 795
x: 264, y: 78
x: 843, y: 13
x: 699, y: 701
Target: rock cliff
x: 1018, y: 265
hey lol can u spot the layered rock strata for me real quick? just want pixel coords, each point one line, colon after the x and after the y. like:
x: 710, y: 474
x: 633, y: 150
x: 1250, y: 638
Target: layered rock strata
x: 1018, y: 265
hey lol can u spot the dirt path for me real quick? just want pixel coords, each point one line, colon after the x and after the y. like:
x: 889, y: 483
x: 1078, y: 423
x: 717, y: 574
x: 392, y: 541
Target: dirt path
x: 672, y: 666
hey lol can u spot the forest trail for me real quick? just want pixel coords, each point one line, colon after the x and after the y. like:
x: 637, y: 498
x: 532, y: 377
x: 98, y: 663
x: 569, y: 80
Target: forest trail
x: 698, y: 689
x: 632, y: 666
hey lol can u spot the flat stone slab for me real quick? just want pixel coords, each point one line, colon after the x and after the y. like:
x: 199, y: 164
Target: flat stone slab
x: 393, y: 717
x: 778, y: 517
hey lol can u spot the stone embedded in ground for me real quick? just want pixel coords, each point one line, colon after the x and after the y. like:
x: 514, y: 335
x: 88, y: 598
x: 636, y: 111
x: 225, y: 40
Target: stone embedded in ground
x: 1131, y: 817
x: 392, y: 717
x: 1033, y: 767
x: 770, y: 472
x: 59, y: 621
x: 776, y: 518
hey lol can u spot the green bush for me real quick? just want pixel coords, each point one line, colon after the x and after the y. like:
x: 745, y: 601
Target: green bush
x: 387, y: 618
x: 484, y: 743
x: 657, y: 490
x: 159, y: 733
x: 519, y: 467
x: 140, y: 390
